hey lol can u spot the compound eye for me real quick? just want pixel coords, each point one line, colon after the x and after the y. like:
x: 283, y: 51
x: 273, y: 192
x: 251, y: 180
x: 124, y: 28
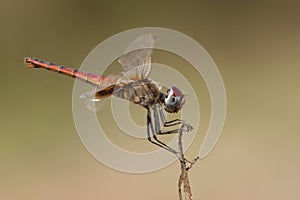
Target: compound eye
x: 176, y: 91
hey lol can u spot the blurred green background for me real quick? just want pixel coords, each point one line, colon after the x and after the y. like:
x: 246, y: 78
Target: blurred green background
x: 256, y: 46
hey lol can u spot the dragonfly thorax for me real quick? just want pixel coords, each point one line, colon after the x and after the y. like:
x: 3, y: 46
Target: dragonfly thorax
x: 143, y: 92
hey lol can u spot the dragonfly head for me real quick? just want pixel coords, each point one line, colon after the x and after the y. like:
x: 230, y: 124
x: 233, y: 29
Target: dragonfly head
x: 174, y: 100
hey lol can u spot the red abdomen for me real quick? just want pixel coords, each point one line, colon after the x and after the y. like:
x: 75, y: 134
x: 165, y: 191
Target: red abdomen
x: 87, y: 77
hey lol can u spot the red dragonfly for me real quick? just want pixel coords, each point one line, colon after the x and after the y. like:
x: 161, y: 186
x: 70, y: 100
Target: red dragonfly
x: 133, y: 85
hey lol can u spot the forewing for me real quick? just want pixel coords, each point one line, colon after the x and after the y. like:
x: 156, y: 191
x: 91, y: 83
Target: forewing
x: 139, y: 72
x: 137, y: 57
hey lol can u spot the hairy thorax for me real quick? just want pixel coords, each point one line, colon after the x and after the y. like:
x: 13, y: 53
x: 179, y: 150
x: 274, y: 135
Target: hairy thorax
x: 142, y: 92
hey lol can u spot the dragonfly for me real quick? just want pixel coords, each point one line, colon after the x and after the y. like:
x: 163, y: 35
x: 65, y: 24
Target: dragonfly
x: 132, y: 84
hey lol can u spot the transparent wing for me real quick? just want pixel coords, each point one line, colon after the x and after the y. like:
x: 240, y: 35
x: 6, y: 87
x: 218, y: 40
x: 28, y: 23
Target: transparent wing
x: 136, y: 62
x: 92, y: 102
x: 95, y: 99
x: 139, y: 72
x: 95, y: 106
x: 107, y: 81
x: 137, y: 57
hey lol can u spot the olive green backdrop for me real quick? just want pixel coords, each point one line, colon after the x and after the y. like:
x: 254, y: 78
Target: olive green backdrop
x: 256, y: 47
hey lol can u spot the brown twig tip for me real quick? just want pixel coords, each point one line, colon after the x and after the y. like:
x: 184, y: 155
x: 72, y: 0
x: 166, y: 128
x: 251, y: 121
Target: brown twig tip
x: 185, y: 166
x: 192, y: 163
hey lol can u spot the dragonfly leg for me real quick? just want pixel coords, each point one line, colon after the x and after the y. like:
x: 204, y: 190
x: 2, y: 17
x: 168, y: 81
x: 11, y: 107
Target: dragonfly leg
x: 156, y: 141
x: 185, y: 127
x: 173, y: 122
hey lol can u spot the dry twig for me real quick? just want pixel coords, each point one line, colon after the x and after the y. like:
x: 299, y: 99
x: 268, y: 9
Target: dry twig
x: 185, y: 166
